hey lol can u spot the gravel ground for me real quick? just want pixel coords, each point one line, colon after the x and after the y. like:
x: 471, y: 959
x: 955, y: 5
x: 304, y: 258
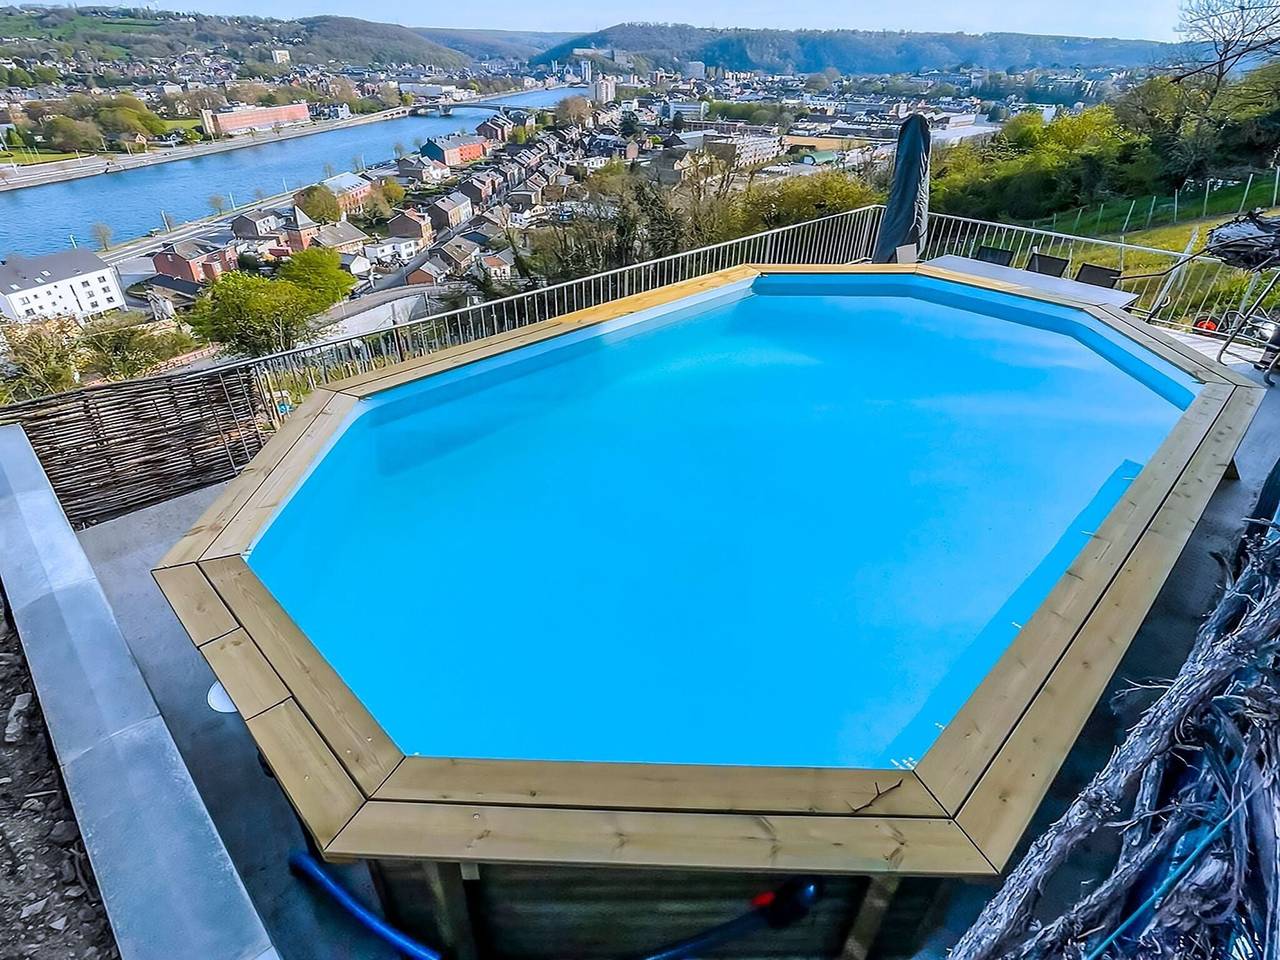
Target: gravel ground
x: 49, y: 904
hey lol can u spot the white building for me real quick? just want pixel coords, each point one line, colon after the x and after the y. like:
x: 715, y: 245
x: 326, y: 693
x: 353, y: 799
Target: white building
x: 605, y: 89
x: 74, y: 283
x: 280, y: 56
x: 584, y: 69
x: 695, y: 70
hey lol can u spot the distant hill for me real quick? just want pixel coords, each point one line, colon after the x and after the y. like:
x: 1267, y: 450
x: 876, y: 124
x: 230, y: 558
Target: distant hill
x: 114, y: 33
x: 364, y: 41
x: 483, y: 44
x: 857, y: 51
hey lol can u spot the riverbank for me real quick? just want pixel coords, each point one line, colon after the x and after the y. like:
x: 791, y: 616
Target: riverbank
x: 157, y: 197
x: 90, y: 166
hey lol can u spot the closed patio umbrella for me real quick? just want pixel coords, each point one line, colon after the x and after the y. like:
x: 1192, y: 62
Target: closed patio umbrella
x: 906, y: 216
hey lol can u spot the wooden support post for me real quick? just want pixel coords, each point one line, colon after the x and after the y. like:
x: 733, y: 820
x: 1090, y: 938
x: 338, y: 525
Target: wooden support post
x: 428, y: 900
x: 869, y: 917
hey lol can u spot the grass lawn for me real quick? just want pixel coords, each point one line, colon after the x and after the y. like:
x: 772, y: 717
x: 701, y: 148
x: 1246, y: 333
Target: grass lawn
x: 1176, y: 237
x: 26, y: 157
x: 186, y: 123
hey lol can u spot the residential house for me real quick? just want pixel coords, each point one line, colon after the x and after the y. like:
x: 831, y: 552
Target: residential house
x: 351, y: 189
x: 450, y: 211
x: 455, y: 149
x: 498, y: 264
x: 459, y: 253
x: 286, y: 229
x: 198, y: 260
x: 421, y: 169
x: 342, y: 236
x: 482, y: 186
x: 524, y: 200
x: 356, y: 264
x: 497, y: 127
x: 391, y: 249
x: 411, y: 224
x: 72, y: 283
x: 432, y: 272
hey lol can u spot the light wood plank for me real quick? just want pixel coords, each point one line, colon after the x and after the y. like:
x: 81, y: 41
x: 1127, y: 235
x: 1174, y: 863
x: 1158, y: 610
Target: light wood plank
x: 764, y: 269
x: 195, y: 603
x: 1175, y: 351
x: 197, y: 540
x: 256, y: 511
x: 997, y: 812
x: 466, y: 833
x: 306, y: 769
x: 952, y: 766
x: 661, y: 786
x: 350, y: 731
x: 243, y: 671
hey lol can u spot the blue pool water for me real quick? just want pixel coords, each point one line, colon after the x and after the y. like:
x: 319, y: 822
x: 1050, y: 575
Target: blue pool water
x: 793, y: 524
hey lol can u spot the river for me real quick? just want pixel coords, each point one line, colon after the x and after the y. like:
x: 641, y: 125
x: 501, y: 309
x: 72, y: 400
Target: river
x: 43, y: 219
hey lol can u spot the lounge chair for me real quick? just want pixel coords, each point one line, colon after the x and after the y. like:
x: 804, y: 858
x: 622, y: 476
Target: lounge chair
x: 1098, y: 276
x: 997, y: 255
x: 1047, y: 265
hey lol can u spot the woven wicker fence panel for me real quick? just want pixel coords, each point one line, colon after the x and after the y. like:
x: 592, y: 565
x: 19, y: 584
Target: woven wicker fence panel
x: 114, y: 448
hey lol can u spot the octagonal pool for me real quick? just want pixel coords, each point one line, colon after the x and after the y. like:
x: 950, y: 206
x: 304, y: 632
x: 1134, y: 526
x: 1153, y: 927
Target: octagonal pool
x: 791, y: 522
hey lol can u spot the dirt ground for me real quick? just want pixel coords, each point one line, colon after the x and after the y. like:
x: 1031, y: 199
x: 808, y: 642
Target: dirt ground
x: 49, y: 905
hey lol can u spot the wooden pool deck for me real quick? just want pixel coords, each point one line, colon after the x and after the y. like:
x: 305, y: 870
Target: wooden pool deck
x: 960, y: 810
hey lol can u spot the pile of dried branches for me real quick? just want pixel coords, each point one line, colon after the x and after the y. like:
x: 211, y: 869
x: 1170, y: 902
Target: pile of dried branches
x: 1194, y: 793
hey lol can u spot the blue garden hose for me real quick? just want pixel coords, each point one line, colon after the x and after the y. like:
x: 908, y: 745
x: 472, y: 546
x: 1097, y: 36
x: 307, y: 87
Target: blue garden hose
x: 776, y: 909
x: 306, y: 866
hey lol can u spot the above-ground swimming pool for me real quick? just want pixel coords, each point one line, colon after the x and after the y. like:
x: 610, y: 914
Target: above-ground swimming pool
x: 845, y: 552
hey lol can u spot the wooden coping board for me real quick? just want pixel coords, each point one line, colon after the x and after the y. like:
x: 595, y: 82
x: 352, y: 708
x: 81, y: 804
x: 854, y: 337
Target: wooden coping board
x: 960, y: 811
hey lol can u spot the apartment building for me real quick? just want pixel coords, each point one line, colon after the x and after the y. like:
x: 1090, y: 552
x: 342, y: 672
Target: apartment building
x: 232, y: 120
x: 73, y: 283
x: 455, y: 149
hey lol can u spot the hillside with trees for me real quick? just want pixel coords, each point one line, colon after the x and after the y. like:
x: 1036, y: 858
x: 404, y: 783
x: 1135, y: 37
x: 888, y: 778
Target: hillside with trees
x: 114, y: 33
x: 858, y: 51
x: 487, y: 44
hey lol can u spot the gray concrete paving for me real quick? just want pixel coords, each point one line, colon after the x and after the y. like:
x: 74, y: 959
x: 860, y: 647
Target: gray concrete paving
x: 169, y: 887
x: 248, y: 808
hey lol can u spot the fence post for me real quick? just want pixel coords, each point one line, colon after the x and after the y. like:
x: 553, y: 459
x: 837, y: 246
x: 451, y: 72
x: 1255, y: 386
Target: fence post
x: 1079, y: 214
x: 1275, y: 190
x: 1204, y: 207
x: 1152, y: 212
x: 1125, y: 228
x: 1246, y: 195
x: 1097, y: 227
x: 1175, y: 205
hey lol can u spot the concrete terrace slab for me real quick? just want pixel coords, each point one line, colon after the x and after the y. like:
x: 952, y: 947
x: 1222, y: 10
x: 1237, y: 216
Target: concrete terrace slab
x: 247, y: 807
x: 167, y: 883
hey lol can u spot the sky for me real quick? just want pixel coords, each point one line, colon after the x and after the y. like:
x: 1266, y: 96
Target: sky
x: 1135, y: 19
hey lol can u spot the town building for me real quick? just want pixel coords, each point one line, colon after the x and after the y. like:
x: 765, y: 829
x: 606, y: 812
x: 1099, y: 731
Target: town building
x: 385, y: 249
x: 694, y: 70
x: 497, y: 127
x: 410, y: 224
x: 605, y: 89
x: 455, y: 149
x: 329, y: 111
x: 73, y: 283
x: 287, y: 229
x: 342, y: 236
x: 351, y: 189
x: 743, y: 152
x: 232, y: 120
x: 280, y: 56
x: 421, y: 170
x: 449, y: 211
x: 198, y: 260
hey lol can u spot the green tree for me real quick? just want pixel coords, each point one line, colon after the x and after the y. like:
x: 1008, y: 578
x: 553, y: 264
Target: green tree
x: 318, y: 272
x: 253, y: 316
x: 319, y: 203
x: 573, y: 109
x: 120, y: 349
x: 394, y: 193
x: 68, y: 134
x: 43, y: 357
